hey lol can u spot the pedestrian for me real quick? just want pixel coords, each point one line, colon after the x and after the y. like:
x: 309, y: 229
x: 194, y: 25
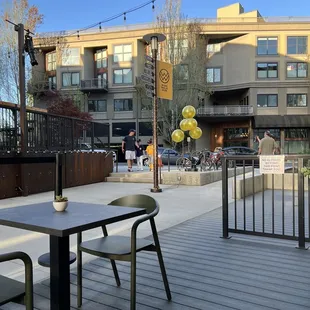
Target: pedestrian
x: 129, y: 145
x: 150, y: 152
x: 267, y: 145
x: 139, y: 153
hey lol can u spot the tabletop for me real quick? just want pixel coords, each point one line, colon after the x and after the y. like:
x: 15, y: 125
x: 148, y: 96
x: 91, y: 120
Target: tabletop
x: 79, y: 216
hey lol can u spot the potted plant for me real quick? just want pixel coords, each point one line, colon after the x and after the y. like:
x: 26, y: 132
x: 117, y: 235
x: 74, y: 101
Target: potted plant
x: 60, y: 203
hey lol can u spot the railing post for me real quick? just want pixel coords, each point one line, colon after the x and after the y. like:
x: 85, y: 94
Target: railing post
x: 58, y: 175
x: 168, y: 161
x: 301, y: 206
x: 225, y: 198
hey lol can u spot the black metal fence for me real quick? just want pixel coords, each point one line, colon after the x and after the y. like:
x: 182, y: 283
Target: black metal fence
x: 49, y: 132
x: 270, y: 205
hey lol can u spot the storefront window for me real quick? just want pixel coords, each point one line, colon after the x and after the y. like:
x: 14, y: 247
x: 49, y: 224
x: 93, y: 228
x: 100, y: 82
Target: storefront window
x: 236, y: 137
x: 296, y: 141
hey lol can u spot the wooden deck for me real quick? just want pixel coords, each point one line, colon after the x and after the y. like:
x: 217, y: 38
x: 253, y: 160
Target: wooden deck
x: 204, y: 271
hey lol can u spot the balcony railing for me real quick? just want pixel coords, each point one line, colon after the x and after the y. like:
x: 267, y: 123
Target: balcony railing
x: 94, y: 84
x: 41, y: 86
x: 232, y: 110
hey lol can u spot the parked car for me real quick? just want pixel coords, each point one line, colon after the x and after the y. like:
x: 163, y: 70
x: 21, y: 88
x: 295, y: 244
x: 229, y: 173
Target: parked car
x: 163, y: 155
x: 86, y: 147
x: 241, y: 150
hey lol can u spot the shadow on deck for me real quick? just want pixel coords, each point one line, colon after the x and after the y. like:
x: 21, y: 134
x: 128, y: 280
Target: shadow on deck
x: 204, y: 271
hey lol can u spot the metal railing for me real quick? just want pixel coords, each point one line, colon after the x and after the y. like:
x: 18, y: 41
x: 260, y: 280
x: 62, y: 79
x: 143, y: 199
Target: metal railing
x: 225, y: 110
x: 208, y: 20
x: 94, y: 84
x: 47, y: 132
x: 269, y: 205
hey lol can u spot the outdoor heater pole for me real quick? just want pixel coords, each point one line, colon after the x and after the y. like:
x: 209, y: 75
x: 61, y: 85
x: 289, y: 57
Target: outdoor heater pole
x: 22, y: 86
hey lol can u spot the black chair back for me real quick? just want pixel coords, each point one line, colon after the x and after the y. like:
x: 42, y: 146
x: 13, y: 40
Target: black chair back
x: 137, y: 201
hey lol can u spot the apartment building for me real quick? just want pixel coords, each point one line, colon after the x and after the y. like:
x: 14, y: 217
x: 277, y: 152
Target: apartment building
x: 256, y: 73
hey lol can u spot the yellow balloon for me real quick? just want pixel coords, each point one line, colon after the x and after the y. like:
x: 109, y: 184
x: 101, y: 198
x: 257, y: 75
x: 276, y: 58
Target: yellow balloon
x: 191, y: 123
x: 177, y: 136
x: 196, y: 133
x: 184, y: 124
x: 189, y: 111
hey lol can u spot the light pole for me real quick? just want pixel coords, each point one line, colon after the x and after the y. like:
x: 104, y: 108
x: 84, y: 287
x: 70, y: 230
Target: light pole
x: 154, y: 39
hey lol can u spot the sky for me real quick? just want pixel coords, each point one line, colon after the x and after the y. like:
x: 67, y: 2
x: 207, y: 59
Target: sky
x: 74, y: 14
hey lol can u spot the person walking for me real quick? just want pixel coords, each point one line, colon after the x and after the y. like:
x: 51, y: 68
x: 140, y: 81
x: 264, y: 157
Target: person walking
x: 267, y: 145
x: 129, y: 145
x: 139, y: 153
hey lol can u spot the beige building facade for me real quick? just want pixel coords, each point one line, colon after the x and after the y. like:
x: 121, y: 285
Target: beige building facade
x: 256, y: 73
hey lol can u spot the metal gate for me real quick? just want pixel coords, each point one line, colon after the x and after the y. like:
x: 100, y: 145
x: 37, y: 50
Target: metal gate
x: 276, y: 205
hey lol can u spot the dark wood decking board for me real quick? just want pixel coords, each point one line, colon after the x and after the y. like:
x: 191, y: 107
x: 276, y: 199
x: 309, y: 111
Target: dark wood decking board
x: 204, y: 271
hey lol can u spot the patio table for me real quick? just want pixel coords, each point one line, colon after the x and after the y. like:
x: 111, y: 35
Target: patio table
x: 78, y: 217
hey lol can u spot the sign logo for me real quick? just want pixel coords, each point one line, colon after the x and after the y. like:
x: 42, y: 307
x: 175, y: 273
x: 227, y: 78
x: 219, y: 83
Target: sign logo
x: 164, y: 80
x: 164, y: 76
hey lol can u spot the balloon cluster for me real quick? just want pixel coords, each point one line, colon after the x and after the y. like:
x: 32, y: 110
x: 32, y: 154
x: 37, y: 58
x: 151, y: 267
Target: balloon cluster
x: 187, y: 124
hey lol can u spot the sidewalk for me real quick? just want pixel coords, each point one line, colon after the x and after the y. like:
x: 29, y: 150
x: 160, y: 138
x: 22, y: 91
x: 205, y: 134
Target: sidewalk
x: 177, y: 203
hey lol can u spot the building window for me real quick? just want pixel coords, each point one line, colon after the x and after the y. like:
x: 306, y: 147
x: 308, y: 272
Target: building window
x: 297, y: 45
x: 145, y: 129
x: 70, y: 79
x: 122, y: 129
x: 214, y: 48
x: 122, y: 53
x: 214, y: 75
x: 296, y: 140
x: 296, y: 100
x: 71, y: 57
x: 102, y: 80
x: 52, y: 83
x: 97, y: 106
x: 122, y: 76
x: 183, y: 72
x: 264, y: 101
x: 122, y: 105
x: 296, y: 69
x: 267, y: 46
x: 267, y: 70
x: 101, y: 58
x: 51, y: 61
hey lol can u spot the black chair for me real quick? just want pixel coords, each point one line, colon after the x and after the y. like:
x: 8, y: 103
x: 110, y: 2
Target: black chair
x: 125, y: 248
x: 12, y: 290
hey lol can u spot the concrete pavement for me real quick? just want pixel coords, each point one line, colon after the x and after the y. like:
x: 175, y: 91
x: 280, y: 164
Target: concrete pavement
x: 177, y: 203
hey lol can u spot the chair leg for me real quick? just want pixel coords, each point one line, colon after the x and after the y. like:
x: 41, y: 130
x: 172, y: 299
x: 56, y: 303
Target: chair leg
x: 160, y: 259
x: 116, y: 276
x: 133, y: 281
x: 79, y: 271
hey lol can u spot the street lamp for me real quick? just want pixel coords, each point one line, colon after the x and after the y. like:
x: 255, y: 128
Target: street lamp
x: 154, y: 39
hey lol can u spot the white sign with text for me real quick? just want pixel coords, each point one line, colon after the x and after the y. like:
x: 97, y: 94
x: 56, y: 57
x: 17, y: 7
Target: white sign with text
x: 271, y: 164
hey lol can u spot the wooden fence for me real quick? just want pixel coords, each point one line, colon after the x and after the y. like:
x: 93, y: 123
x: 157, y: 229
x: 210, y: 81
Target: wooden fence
x: 78, y: 169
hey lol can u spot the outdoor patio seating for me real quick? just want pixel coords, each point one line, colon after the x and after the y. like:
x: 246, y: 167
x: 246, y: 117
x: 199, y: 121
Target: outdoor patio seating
x: 12, y: 290
x: 125, y: 248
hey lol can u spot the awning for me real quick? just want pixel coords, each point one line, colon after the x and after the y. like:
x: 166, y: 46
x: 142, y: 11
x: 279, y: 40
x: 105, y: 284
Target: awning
x: 281, y: 121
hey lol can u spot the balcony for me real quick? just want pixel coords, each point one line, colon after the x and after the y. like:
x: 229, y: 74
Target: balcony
x: 94, y: 85
x: 41, y: 87
x: 232, y: 110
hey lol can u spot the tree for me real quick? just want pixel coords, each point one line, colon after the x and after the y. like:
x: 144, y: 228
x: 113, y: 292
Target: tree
x: 185, y: 49
x: 17, y: 11
x: 64, y: 105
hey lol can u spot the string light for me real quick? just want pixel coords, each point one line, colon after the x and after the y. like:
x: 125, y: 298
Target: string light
x: 78, y: 35
x: 115, y: 17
